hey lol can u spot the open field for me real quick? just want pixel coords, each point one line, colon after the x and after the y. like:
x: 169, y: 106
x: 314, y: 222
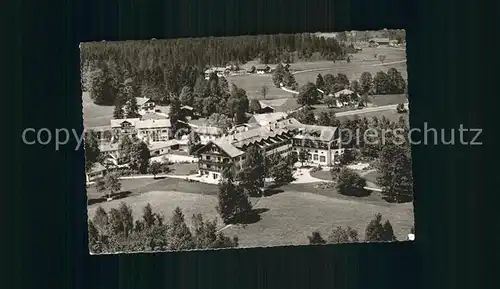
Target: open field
x: 135, y: 187
x: 287, y: 218
x: 98, y: 115
x: 392, y: 115
x: 308, y: 71
x: 164, y: 202
x: 252, y: 84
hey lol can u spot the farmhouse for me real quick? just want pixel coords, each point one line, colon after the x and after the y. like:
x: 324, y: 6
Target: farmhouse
x: 146, y: 105
x: 161, y: 148
x: 346, y: 97
x: 221, y: 71
x: 287, y: 104
x: 97, y: 171
x: 281, y: 137
x: 378, y: 41
x: 124, y: 126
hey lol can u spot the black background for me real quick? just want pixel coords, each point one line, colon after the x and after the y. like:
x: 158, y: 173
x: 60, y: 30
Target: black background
x: 451, y: 80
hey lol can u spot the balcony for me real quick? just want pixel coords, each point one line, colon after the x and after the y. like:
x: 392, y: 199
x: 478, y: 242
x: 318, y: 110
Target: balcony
x: 215, y: 163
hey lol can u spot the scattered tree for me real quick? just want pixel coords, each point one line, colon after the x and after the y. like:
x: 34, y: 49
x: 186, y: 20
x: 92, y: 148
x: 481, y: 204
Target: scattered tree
x: 376, y: 232
x: 303, y: 156
x: 366, y: 82
x: 194, y: 142
x: 91, y: 147
x: 350, y: 183
x: 316, y: 239
x: 320, y: 83
x: 187, y: 96
x: 219, y: 120
x: 233, y: 203
x: 395, y: 170
x: 139, y: 157
x: 308, y: 94
x: 179, y: 235
x: 340, y: 235
x: 254, y: 106
x: 154, y: 168
x: 282, y: 173
x: 278, y: 75
x: 381, y: 57
x: 263, y: 91
x: 252, y: 173
x: 388, y: 232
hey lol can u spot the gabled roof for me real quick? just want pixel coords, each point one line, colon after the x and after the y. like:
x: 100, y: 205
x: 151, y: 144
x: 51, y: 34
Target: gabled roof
x: 286, y: 104
x: 379, y: 40
x: 154, y: 115
x: 118, y: 122
x: 343, y: 92
x: 266, y: 118
x: 153, y: 123
x: 142, y: 100
x: 96, y: 168
x: 210, y: 130
x: 163, y: 144
x: 226, y: 147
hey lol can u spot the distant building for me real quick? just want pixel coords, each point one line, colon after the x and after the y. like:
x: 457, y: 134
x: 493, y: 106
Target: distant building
x: 266, y: 118
x: 124, y: 126
x: 162, y: 148
x: 146, y: 105
x: 287, y: 104
x: 97, y: 171
x: 379, y: 41
x: 346, y: 97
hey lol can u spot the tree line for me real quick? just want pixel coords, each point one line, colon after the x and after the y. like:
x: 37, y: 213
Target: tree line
x: 375, y: 232
x: 390, y: 82
x: 117, y: 231
x: 160, y: 68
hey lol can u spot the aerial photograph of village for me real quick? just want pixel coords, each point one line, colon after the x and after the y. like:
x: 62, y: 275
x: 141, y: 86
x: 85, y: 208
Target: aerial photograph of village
x: 246, y: 141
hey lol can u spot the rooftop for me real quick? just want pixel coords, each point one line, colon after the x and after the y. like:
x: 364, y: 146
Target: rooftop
x: 266, y: 118
x: 154, y: 115
x: 142, y: 100
x: 118, y: 122
x: 281, y: 104
x: 153, y: 123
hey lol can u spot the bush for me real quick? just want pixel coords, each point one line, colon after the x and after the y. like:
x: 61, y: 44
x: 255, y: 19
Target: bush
x: 350, y: 183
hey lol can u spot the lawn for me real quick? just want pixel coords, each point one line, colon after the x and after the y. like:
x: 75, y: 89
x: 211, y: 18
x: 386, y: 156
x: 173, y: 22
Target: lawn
x: 391, y: 114
x: 285, y: 218
x: 164, y: 202
x: 135, y: 187
x: 324, y: 175
x: 360, y: 62
x: 184, y: 168
x: 252, y: 84
x: 288, y: 218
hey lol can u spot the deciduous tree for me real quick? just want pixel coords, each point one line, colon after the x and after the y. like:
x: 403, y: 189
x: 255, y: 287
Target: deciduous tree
x: 91, y: 147
x: 308, y: 94
x: 395, y: 170
x: 341, y: 235
x: 350, y: 183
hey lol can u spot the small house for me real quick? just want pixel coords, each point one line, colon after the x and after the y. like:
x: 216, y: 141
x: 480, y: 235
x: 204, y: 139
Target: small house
x: 96, y: 172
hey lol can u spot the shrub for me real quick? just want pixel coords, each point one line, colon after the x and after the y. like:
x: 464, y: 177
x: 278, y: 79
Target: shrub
x: 350, y: 183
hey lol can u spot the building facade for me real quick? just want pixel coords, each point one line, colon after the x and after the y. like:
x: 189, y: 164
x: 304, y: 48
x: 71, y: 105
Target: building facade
x: 281, y: 137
